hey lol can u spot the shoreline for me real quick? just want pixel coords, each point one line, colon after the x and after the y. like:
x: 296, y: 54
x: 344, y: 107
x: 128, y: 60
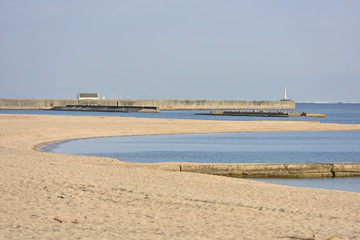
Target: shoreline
x: 48, y: 195
x: 244, y: 170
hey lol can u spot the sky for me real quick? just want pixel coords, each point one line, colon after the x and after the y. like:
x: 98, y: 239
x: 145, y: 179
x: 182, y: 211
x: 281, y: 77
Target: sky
x: 181, y: 49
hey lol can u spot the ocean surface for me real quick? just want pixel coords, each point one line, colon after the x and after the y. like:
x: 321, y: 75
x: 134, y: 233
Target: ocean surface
x: 249, y: 147
x: 269, y: 147
x: 328, y: 146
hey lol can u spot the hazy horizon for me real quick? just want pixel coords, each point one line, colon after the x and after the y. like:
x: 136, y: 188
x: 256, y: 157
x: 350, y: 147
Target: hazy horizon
x: 226, y: 50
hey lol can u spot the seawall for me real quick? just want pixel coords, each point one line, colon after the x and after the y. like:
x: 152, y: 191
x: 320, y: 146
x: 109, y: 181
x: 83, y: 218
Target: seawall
x: 46, y: 104
x: 269, y: 170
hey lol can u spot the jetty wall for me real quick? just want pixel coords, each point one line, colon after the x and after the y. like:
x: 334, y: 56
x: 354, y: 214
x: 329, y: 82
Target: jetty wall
x: 269, y: 170
x: 36, y: 104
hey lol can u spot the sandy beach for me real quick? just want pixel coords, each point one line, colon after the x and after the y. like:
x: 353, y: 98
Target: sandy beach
x: 59, y: 196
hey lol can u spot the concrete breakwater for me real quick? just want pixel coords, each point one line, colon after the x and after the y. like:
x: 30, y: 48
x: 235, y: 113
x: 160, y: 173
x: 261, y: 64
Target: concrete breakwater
x: 99, y: 108
x: 264, y: 114
x: 47, y: 104
x: 270, y: 170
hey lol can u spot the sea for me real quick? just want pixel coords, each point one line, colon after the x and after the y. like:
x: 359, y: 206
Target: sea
x: 259, y: 147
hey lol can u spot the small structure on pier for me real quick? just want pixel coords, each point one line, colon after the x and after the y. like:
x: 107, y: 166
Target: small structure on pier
x: 82, y: 96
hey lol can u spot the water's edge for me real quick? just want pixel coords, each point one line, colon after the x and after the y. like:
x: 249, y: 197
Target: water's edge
x: 267, y: 170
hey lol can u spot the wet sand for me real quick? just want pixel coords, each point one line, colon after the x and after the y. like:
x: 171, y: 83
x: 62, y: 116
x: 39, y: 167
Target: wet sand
x: 59, y: 196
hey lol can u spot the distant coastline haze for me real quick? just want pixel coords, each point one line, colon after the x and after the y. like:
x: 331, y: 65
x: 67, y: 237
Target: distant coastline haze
x: 233, y: 50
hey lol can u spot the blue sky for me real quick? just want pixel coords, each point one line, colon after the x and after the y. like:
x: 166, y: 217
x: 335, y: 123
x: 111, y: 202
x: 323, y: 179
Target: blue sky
x: 179, y: 49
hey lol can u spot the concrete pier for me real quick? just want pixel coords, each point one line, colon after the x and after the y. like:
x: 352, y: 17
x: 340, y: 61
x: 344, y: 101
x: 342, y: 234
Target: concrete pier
x: 262, y: 113
x: 268, y: 170
x: 99, y: 108
x: 37, y: 104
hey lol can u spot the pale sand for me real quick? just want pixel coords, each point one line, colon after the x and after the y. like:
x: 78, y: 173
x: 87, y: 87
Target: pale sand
x: 58, y: 196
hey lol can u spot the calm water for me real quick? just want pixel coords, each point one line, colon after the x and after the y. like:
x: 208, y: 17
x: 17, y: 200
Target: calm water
x: 351, y: 184
x: 275, y: 147
x: 233, y: 147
